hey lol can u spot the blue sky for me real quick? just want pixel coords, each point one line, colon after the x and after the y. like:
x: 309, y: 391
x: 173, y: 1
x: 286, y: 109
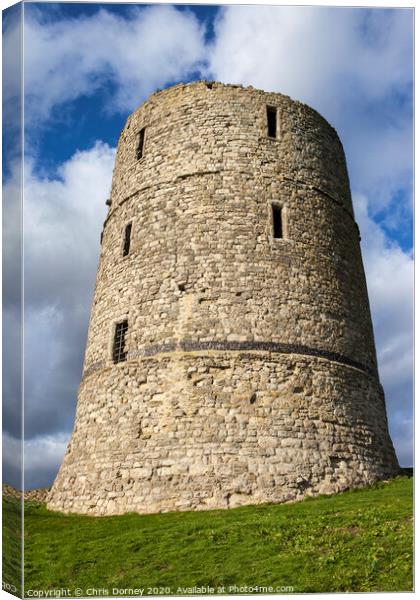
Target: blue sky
x: 88, y: 66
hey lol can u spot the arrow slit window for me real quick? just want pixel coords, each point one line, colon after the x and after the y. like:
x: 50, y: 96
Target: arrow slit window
x: 278, y: 218
x: 119, y: 352
x: 271, y: 121
x: 127, y: 239
x: 140, y: 145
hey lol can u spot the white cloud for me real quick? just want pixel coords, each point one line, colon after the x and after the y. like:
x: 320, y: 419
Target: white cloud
x: 62, y: 223
x: 63, y: 216
x: 44, y: 454
x: 352, y: 65
x: 306, y: 51
x: 63, y: 213
x: 12, y: 457
x: 69, y: 58
x: 42, y: 457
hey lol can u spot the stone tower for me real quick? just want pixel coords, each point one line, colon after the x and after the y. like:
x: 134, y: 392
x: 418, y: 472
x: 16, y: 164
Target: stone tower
x: 230, y: 356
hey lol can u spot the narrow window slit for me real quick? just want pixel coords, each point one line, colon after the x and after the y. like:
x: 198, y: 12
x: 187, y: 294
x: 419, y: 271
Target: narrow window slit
x: 271, y: 121
x: 277, y: 211
x: 119, y: 353
x: 140, y: 145
x: 127, y: 239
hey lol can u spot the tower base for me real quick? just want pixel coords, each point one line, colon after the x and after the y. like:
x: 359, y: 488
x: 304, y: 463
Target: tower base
x: 219, y: 429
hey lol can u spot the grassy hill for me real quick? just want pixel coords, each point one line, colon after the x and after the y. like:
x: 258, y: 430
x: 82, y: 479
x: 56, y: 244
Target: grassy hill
x: 356, y: 541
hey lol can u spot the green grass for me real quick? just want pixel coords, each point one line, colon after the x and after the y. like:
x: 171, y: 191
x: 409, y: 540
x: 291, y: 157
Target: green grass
x: 12, y: 544
x: 356, y: 541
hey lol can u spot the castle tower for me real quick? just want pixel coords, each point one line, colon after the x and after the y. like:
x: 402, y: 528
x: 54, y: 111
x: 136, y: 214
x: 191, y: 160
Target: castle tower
x: 230, y: 356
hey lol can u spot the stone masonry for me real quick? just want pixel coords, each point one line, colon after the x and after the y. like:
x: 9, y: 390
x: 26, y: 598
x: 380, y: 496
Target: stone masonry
x: 247, y: 372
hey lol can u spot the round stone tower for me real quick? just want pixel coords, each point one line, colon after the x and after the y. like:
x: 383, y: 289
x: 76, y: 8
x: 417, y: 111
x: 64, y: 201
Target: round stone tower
x: 230, y: 356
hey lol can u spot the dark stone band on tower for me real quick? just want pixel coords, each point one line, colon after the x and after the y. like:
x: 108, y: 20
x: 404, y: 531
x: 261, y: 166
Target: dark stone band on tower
x: 258, y: 346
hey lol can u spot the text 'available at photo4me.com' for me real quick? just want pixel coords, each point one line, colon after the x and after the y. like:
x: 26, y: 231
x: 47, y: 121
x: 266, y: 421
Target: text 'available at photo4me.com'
x: 204, y: 590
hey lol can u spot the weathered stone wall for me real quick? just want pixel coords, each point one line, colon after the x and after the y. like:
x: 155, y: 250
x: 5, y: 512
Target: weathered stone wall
x: 251, y: 372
